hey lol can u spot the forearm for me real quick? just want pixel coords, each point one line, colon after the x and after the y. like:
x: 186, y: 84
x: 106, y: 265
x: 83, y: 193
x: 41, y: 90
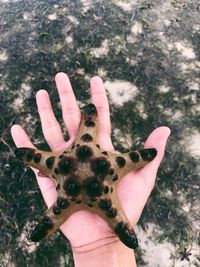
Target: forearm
x: 115, y: 254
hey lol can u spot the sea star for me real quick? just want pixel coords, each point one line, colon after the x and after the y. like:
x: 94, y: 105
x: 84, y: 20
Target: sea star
x: 86, y: 177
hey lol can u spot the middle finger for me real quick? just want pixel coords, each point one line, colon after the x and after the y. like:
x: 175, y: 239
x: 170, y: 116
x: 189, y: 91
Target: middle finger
x: 70, y: 110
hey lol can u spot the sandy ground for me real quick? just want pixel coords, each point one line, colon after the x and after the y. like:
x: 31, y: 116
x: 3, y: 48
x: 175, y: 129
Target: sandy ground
x: 148, y: 54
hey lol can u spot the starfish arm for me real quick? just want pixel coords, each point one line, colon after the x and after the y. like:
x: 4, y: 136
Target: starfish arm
x: 111, y: 211
x: 41, y: 160
x: 53, y: 218
x: 89, y: 125
x: 133, y: 160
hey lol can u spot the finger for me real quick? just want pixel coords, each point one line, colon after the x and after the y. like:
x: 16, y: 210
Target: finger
x: 100, y: 100
x: 157, y: 139
x: 70, y: 110
x: 50, y: 126
x: 20, y: 137
x: 46, y: 185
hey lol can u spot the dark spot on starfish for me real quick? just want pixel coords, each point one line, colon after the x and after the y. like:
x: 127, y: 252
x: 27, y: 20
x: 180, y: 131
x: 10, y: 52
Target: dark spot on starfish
x: 83, y: 153
x: 120, y: 161
x: 115, y: 177
x: 29, y: 154
x: 100, y: 165
x: 105, y: 204
x: 73, y: 199
x: 106, y: 189
x: 41, y: 229
x: 93, y: 187
x: 56, y: 210
x: 56, y: 171
x: 62, y: 203
x: 66, y: 165
x: 77, y: 145
x: 111, y: 171
x: 54, y: 177
x: 50, y: 162
x: 93, y: 199
x: 111, y: 190
x: 58, y: 187
x: 78, y: 201
x: 134, y: 156
x: 97, y: 145
x: 61, y: 156
x: 37, y: 157
x: 65, y: 152
x: 72, y: 185
x: 111, y: 213
x: 105, y: 153
x: 24, y: 153
x: 126, y: 235
x: 148, y: 154
x: 89, y: 122
x: 73, y: 146
x: 90, y: 109
x: 90, y: 205
x: 20, y: 153
x: 86, y: 138
x: 47, y: 222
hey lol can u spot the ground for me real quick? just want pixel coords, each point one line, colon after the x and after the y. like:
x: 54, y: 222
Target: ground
x: 148, y: 54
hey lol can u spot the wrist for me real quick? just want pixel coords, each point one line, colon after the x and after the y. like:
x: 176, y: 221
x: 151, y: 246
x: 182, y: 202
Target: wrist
x: 111, y: 252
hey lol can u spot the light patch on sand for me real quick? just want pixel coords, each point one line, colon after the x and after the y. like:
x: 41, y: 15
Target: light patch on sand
x: 100, y: 51
x: 193, y: 144
x: 27, y: 16
x: 86, y: 5
x: 141, y: 110
x: 126, y: 5
x: 18, y: 104
x: 3, y: 56
x: 196, y: 27
x: 121, y: 91
x: 73, y: 20
x: 26, y: 90
x: 156, y: 255
x: 52, y: 16
x: 131, y: 61
x: 185, y: 50
x: 124, y: 141
x: 192, y: 66
x: 24, y: 242
x: 193, y: 86
x: 69, y: 40
x: 102, y: 72
x: 171, y: 114
x: 164, y: 89
x: 167, y: 22
x: 162, y: 254
x: 131, y: 39
x: 136, y: 29
x: 6, y: 259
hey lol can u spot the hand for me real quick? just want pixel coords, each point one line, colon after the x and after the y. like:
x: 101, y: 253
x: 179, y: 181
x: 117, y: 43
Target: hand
x: 85, y: 229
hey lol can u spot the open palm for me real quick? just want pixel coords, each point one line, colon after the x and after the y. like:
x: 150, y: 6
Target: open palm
x: 85, y: 228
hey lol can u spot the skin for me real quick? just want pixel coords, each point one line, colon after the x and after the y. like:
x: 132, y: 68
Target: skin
x: 91, y: 237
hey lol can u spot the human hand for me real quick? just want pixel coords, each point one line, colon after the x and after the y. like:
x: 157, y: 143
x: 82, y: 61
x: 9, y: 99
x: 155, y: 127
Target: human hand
x: 85, y: 229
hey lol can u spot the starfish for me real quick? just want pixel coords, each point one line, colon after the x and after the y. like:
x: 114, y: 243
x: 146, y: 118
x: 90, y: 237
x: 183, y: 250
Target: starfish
x: 185, y: 254
x: 86, y: 176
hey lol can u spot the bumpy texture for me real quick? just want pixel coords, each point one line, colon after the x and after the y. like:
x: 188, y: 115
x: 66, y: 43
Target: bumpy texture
x: 86, y: 177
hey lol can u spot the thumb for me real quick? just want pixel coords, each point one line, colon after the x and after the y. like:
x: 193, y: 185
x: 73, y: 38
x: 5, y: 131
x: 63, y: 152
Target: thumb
x: 157, y: 139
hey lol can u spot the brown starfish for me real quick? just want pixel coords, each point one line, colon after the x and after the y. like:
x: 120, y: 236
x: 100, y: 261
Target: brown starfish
x: 86, y: 177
